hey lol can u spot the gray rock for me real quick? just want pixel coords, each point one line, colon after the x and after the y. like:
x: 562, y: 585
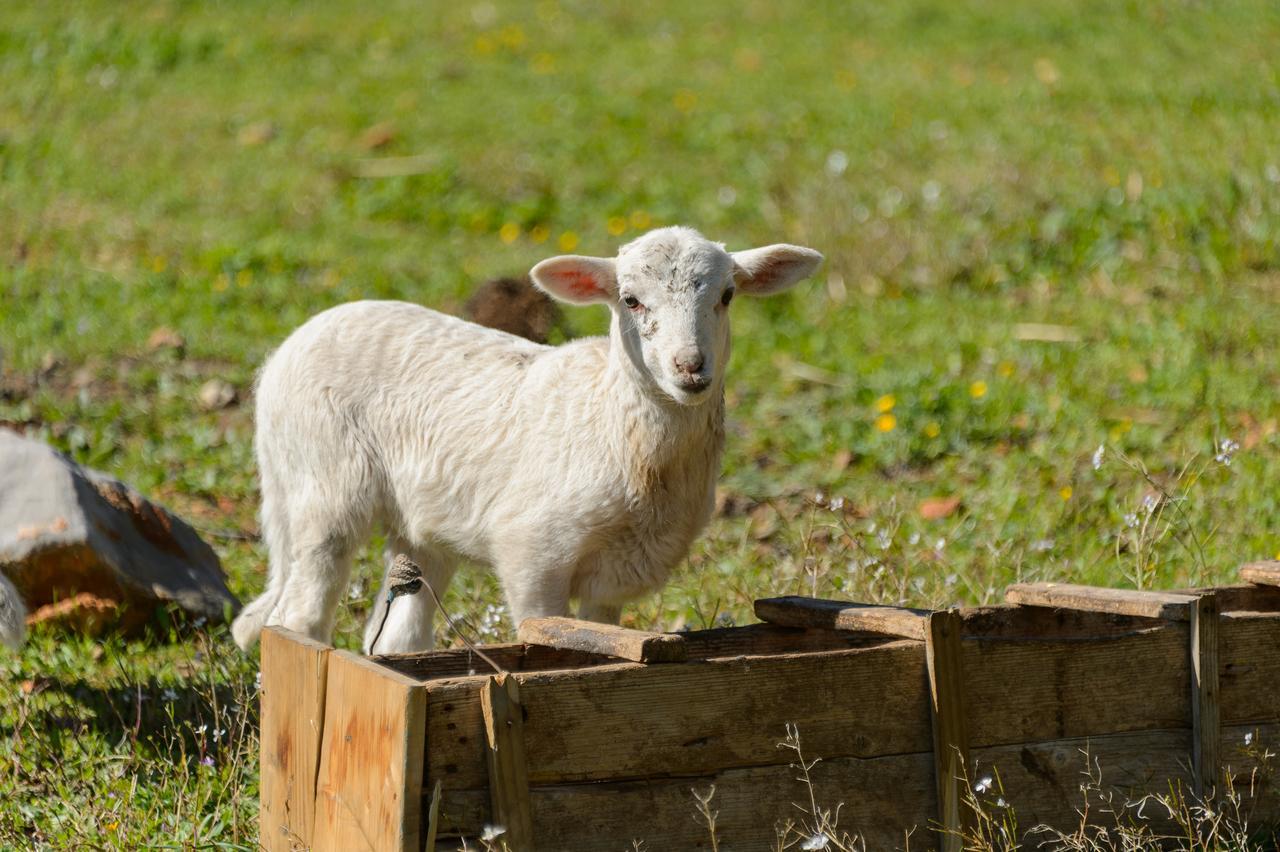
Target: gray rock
x: 66, y: 530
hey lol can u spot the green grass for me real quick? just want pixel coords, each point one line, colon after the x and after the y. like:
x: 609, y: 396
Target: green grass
x: 968, y: 168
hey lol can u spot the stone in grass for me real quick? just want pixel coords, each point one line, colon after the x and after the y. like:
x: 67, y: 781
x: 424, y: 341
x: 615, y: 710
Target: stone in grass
x: 66, y: 531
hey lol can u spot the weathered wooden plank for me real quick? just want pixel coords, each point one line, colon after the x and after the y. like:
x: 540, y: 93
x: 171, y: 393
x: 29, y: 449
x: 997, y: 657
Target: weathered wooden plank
x: 1010, y: 621
x: 629, y: 721
x: 1030, y: 690
x: 950, y: 734
x: 294, y: 668
x: 636, y: 645
x: 1261, y: 573
x: 508, y: 770
x: 1249, y: 668
x: 1041, y: 781
x: 1251, y: 772
x: 369, y: 788
x: 1240, y: 598
x: 748, y: 640
x: 1165, y: 605
x: 880, y: 798
x: 1206, y: 727
x: 463, y: 662
x: 793, y: 611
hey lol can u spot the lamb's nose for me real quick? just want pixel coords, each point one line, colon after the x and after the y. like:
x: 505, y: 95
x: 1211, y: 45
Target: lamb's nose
x: 689, y: 359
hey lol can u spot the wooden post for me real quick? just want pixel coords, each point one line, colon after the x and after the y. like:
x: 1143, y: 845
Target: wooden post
x: 639, y: 646
x: 950, y: 737
x: 508, y: 768
x: 1206, y: 726
x: 369, y: 790
x: 294, y: 670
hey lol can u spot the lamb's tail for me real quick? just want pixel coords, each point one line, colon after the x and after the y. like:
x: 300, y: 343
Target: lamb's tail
x: 249, y: 623
x: 13, y: 615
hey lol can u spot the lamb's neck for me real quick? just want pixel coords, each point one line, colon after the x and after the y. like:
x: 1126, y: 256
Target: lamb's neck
x: 652, y: 431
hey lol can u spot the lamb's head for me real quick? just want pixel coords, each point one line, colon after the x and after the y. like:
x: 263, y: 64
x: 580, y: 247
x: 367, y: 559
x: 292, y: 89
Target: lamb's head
x: 670, y: 292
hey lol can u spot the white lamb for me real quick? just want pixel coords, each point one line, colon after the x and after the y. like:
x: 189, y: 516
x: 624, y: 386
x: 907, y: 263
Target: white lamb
x: 576, y: 471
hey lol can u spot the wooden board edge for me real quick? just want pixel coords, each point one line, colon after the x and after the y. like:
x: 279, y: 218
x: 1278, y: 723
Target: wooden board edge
x: 294, y: 668
x: 408, y: 720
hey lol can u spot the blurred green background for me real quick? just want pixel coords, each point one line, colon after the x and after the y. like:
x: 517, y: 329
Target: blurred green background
x: 1050, y: 228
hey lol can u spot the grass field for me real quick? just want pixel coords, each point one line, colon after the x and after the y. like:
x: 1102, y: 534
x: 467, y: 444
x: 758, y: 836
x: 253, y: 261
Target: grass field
x: 1050, y: 228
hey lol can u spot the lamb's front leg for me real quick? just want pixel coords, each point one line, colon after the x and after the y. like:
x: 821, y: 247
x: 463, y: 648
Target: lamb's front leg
x: 534, y: 582
x: 407, y: 624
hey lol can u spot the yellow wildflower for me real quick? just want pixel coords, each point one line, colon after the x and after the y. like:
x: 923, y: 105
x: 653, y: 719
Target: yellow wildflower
x: 568, y: 241
x: 616, y: 226
x: 539, y: 233
x: 886, y: 403
x: 509, y: 233
x: 978, y: 389
x: 932, y: 429
x: 886, y: 422
x: 1065, y: 492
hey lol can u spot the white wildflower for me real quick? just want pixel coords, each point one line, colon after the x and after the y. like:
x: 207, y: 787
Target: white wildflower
x: 1248, y: 738
x: 983, y: 785
x: 1098, y: 456
x: 1227, y: 449
x: 817, y: 841
x: 492, y: 832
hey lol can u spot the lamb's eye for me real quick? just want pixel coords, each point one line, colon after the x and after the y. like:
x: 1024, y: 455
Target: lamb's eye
x: 727, y: 297
x: 632, y: 302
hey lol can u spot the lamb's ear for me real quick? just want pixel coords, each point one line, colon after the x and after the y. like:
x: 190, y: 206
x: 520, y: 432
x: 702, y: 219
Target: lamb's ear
x: 772, y: 269
x: 576, y: 279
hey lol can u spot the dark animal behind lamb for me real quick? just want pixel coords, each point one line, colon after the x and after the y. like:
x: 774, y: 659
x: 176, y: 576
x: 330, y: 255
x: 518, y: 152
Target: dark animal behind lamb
x: 515, y: 306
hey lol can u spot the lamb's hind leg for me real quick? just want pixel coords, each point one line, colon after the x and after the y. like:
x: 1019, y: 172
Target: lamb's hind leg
x: 406, y: 624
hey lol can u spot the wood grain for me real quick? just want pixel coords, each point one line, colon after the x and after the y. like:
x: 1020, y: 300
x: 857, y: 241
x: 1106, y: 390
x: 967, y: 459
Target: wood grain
x: 508, y: 769
x: 1249, y: 668
x: 1261, y: 573
x: 1165, y: 605
x: 881, y: 798
x: 294, y: 668
x: 1042, y: 781
x: 793, y: 611
x: 950, y: 733
x: 631, y: 721
x: 369, y: 789
x: 573, y: 634
x: 1034, y: 690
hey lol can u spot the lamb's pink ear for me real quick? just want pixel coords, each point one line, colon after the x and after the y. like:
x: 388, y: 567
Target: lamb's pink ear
x: 772, y: 269
x: 576, y: 279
